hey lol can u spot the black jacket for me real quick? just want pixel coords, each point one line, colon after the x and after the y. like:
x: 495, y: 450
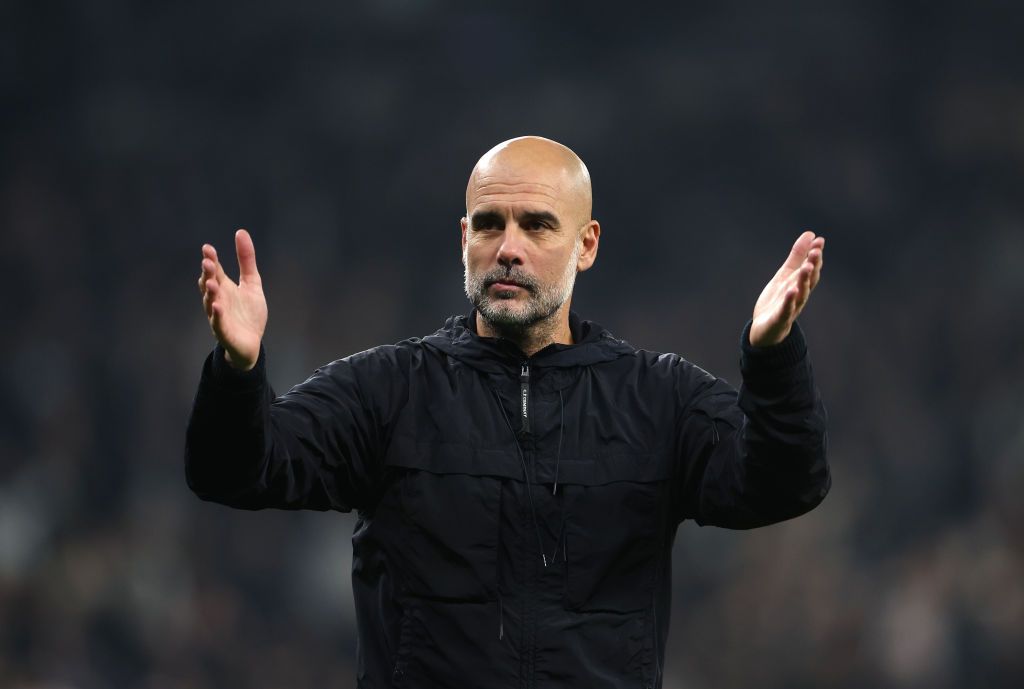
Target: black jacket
x: 516, y: 515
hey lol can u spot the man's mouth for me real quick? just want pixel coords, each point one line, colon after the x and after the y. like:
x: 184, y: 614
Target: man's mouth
x: 506, y: 284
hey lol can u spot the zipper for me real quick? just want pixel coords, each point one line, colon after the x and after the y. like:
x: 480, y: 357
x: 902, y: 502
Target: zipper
x: 529, y: 619
x: 524, y: 397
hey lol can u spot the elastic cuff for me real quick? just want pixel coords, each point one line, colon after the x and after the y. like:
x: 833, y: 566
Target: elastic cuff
x: 235, y: 379
x: 790, y: 351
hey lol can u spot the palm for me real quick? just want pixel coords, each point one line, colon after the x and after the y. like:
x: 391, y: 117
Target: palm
x: 237, y: 312
x: 244, y: 318
x: 785, y: 295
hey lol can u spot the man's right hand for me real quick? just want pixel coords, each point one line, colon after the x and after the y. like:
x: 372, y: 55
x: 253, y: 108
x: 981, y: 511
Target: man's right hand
x: 237, y: 312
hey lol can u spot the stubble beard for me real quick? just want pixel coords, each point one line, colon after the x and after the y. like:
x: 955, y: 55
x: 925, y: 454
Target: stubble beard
x: 502, y: 312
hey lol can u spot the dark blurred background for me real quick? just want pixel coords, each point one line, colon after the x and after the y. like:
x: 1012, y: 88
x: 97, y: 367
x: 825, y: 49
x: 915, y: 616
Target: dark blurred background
x: 341, y: 135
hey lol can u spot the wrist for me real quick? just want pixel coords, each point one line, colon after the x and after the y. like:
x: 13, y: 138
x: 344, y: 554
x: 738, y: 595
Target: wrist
x: 238, y: 362
x: 761, y: 334
x: 237, y: 379
x: 789, y: 350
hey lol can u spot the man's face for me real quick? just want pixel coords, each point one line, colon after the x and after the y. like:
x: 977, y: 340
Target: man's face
x: 520, y: 248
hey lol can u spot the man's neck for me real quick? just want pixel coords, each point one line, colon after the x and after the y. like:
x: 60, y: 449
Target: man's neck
x: 552, y: 330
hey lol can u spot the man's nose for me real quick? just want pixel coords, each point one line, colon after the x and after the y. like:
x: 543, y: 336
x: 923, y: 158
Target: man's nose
x: 511, y: 251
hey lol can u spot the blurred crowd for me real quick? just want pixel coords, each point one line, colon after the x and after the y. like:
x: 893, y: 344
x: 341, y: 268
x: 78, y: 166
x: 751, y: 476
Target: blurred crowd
x: 341, y: 135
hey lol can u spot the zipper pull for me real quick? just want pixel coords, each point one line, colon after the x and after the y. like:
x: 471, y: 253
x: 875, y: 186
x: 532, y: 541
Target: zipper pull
x: 524, y: 397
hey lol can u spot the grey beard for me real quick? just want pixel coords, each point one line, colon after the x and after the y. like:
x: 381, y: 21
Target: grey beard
x: 499, y: 314
x: 542, y: 305
x: 510, y: 323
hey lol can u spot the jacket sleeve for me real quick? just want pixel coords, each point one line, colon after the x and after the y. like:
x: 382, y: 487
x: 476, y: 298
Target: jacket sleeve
x: 316, y: 447
x: 756, y: 457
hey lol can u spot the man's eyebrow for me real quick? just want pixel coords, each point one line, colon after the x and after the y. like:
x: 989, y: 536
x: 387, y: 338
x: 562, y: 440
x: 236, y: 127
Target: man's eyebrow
x: 539, y: 216
x: 487, y: 219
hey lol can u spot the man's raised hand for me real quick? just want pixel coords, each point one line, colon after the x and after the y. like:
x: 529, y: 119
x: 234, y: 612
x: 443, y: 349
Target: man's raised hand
x: 785, y: 295
x: 237, y: 312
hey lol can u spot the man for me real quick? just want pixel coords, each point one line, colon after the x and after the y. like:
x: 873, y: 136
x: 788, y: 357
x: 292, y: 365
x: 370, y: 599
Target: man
x: 519, y: 475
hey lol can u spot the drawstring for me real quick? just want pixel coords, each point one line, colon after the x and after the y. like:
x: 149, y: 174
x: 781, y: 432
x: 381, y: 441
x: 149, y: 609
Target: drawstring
x: 501, y: 618
x: 529, y: 491
x: 559, y: 542
x: 529, y: 483
x: 558, y: 457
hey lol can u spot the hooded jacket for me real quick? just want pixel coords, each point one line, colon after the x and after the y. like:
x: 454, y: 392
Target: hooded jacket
x: 515, y: 514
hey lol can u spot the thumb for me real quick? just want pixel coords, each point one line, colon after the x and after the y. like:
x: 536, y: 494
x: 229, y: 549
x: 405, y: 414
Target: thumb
x: 246, y: 253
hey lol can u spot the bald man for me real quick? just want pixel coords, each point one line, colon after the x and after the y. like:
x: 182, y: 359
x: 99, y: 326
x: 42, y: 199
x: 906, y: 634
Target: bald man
x: 519, y: 475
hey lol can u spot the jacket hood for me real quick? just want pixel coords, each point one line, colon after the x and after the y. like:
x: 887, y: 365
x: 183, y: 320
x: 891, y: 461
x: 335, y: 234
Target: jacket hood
x: 592, y: 344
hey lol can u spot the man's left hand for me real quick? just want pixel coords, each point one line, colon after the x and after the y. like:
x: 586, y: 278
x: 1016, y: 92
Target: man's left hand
x: 786, y: 294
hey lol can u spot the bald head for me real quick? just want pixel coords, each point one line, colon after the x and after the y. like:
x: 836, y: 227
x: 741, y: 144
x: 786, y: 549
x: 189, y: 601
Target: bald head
x: 526, y: 234
x: 533, y: 166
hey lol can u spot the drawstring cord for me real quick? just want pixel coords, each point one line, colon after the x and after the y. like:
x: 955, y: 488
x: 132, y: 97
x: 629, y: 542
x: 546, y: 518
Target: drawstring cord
x: 501, y: 618
x: 529, y: 490
x: 554, y: 487
x: 561, y: 426
x: 529, y: 483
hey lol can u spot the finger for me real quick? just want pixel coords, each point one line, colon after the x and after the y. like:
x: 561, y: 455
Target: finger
x: 219, y: 270
x: 208, y: 303
x: 813, y: 265
x: 216, y: 313
x: 816, y: 272
x: 817, y: 250
x: 212, y: 287
x: 246, y: 252
x: 812, y: 261
x: 798, y: 253
x: 208, y: 254
x: 207, y: 271
x: 213, y: 303
x: 800, y: 286
x: 790, y: 305
x: 218, y: 267
x: 816, y: 258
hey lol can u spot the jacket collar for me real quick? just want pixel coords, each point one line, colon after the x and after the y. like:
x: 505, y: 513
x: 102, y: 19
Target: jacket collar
x: 592, y: 344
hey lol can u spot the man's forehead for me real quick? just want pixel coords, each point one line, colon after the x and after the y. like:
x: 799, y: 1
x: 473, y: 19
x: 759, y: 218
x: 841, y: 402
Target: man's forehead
x: 501, y: 189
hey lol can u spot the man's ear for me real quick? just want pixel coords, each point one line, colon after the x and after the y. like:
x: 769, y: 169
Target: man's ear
x: 464, y: 222
x: 591, y: 237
